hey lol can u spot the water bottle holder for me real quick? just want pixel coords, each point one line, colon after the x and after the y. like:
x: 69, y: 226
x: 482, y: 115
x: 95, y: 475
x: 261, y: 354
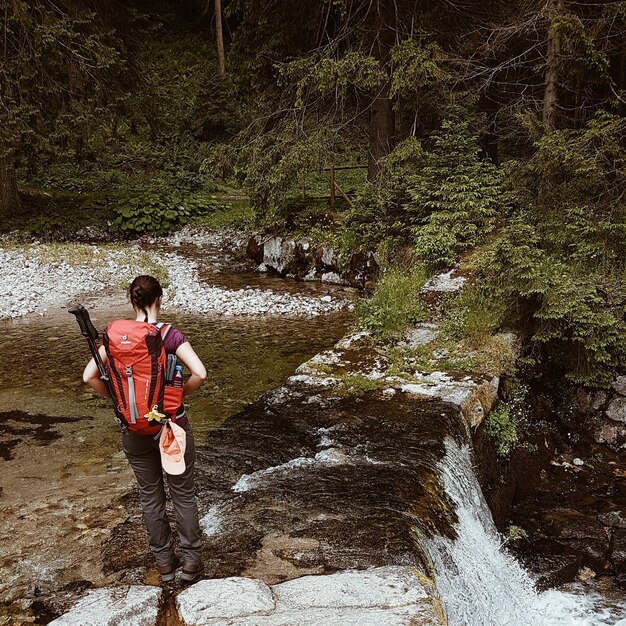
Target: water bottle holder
x: 172, y: 399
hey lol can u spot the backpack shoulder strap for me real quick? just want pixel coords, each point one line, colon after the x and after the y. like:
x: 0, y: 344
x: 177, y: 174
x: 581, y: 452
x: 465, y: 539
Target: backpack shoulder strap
x: 164, y: 329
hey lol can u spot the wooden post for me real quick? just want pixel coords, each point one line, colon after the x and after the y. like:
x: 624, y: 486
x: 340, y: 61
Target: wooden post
x: 332, y: 186
x: 219, y: 36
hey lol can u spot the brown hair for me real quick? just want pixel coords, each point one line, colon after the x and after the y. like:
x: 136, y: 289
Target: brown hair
x: 143, y: 291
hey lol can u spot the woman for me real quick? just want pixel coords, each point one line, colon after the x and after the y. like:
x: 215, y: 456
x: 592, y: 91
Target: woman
x: 142, y: 451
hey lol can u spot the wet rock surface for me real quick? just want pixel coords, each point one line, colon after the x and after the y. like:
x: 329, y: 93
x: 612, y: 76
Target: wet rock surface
x: 441, y: 288
x: 574, y: 518
x: 285, y: 487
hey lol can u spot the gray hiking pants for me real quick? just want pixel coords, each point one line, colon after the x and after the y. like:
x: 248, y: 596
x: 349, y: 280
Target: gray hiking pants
x: 144, y: 457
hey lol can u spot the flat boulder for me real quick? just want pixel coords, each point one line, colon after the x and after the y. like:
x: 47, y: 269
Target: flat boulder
x: 134, y: 605
x: 385, y: 596
x: 222, y: 599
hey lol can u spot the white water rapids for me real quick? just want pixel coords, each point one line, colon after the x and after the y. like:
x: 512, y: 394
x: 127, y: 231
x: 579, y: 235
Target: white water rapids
x: 481, y: 585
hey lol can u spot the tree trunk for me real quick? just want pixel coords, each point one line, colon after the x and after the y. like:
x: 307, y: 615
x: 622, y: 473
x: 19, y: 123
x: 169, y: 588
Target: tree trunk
x: 10, y: 204
x: 550, y: 96
x: 219, y: 35
x: 382, y: 119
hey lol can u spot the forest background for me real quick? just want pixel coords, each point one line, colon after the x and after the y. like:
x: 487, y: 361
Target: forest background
x: 485, y: 133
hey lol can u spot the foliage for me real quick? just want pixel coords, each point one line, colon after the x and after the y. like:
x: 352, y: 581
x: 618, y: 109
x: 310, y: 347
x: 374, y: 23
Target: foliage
x: 472, y: 316
x: 502, y: 429
x: 237, y: 214
x: 380, y: 212
x: 564, y: 281
x: 515, y: 533
x: 151, y: 212
x: 50, y: 55
x: 356, y: 385
x: 455, y: 196
x: 445, y: 197
x: 394, y: 305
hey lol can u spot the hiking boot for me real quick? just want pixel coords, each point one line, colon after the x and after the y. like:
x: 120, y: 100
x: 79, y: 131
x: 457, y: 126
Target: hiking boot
x: 168, y: 571
x: 191, y: 571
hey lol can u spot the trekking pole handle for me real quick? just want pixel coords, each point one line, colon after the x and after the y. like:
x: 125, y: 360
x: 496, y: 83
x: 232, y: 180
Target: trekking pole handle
x: 84, y: 321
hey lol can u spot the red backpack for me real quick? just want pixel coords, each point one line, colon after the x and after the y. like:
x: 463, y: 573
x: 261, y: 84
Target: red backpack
x: 137, y: 366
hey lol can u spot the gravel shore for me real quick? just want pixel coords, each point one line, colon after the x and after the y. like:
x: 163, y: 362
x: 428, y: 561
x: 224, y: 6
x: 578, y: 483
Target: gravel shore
x: 37, y: 277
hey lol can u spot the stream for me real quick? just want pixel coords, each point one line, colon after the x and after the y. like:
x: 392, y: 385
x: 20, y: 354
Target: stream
x: 293, y: 479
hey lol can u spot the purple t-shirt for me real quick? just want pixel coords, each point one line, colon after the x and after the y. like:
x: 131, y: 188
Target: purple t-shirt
x: 173, y: 340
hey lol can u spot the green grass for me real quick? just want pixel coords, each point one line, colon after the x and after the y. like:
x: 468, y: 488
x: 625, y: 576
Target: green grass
x: 229, y: 214
x: 356, y: 385
x: 394, y: 305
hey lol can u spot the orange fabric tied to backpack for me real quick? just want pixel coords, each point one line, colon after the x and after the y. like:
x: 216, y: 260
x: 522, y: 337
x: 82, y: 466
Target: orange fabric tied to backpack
x: 137, y: 366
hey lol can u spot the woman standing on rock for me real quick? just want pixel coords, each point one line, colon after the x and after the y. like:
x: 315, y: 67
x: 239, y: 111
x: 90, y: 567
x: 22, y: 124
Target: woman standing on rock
x: 142, y: 448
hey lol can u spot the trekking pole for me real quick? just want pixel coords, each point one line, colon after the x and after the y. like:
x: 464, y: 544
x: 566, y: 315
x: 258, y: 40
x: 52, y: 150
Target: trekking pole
x: 89, y: 331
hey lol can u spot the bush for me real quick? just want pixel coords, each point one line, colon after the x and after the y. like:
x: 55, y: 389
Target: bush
x: 502, y: 429
x: 394, y: 305
x: 472, y: 317
x: 152, y: 212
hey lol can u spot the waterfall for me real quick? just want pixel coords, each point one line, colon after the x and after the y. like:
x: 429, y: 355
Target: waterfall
x: 480, y: 584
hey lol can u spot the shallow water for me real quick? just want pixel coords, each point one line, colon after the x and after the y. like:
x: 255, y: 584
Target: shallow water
x: 243, y: 357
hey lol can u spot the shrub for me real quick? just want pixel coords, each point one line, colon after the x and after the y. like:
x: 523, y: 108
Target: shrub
x: 502, y: 429
x: 153, y: 212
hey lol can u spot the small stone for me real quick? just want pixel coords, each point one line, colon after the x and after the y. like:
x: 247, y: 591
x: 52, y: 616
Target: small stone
x: 326, y: 298
x: 619, y: 384
x: 585, y: 573
x: 617, y: 410
x: 331, y: 277
x: 578, y: 462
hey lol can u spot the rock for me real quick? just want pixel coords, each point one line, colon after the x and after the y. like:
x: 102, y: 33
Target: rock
x: 618, y: 551
x: 364, y: 268
x: 135, y: 605
x: 328, y: 257
x: 616, y: 410
x: 331, y: 277
x: 254, y: 249
x: 583, y: 535
x: 222, y: 599
x: 421, y: 615
x: 420, y: 335
x: 598, y: 399
x: 326, y: 298
x: 310, y: 275
x: 473, y: 398
x: 619, y: 385
x: 439, y: 288
x: 578, y: 462
x: 584, y: 574
x: 614, y: 519
x: 384, y: 596
x: 279, y: 254
x: 378, y: 587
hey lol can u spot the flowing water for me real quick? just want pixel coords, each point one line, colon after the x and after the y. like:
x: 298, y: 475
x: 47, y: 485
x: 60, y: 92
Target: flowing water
x: 481, y: 585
